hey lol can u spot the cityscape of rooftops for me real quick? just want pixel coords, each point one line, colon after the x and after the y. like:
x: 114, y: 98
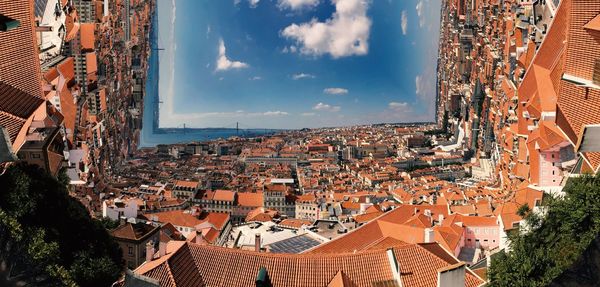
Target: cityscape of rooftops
x: 299, y: 143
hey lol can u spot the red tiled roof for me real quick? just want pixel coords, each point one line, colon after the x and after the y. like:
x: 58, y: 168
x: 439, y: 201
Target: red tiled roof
x: 133, y: 231
x: 175, y: 217
x: 67, y: 68
x: 203, y: 265
x: 294, y: 223
x: 224, y: 195
x: 71, y: 25
x: 15, y: 108
x: 391, y: 224
x: 19, y: 62
x: 87, y: 36
x: 250, y: 199
x: 185, y: 183
x: 593, y: 24
x: 91, y: 63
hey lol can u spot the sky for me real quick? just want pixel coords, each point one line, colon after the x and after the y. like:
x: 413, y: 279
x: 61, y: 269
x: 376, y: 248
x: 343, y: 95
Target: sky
x: 288, y: 64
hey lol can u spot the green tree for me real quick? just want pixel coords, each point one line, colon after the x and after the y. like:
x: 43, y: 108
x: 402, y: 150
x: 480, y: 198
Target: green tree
x: 63, y: 245
x: 555, y: 240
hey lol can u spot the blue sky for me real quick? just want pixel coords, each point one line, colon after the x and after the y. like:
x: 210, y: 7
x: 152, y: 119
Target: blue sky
x: 297, y: 63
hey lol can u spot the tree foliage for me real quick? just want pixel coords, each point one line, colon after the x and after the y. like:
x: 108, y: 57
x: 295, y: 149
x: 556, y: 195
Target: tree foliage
x: 48, y: 238
x: 555, y: 240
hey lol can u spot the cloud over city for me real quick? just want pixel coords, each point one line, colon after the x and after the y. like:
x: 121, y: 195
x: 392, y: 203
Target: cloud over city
x: 335, y: 91
x: 297, y: 4
x: 326, y: 108
x: 345, y: 34
x: 224, y: 63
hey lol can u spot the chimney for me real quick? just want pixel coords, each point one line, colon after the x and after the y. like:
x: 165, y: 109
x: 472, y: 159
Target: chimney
x: 257, y: 242
x: 440, y: 219
x: 452, y: 276
x: 429, y: 235
x: 198, y: 238
x: 394, y: 266
x: 43, y: 29
x: 149, y: 251
x: 162, y: 249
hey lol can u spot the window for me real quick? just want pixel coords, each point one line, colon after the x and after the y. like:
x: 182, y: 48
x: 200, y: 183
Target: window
x: 130, y: 250
x: 35, y: 155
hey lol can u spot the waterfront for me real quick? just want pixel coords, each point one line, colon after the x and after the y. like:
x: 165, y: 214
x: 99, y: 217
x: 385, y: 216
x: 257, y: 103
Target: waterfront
x: 152, y: 134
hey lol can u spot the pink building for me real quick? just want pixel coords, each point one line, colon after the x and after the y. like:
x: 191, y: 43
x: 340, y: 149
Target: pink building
x: 548, y: 149
x: 480, y: 232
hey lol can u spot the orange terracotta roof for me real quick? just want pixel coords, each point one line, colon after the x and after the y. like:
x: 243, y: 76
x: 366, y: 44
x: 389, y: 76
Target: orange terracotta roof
x: 472, y: 220
x: 133, y: 231
x: 186, y: 183
x: 363, y: 218
x: 19, y: 60
x: 15, y: 108
x: 448, y: 236
x: 175, y: 217
x: 51, y: 75
x: 250, y: 199
x: 87, y: 36
x: 102, y: 94
x: 217, y: 219
x: 593, y: 24
x: 594, y: 159
x: 91, y: 63
x: 72, y: 25
x: 69, y: 110
x: 391, y: 224
x: 294, y: 223
x: 224, y: 195
x: 196, y: 265
x: 546, y: 136
x: 67, y: 68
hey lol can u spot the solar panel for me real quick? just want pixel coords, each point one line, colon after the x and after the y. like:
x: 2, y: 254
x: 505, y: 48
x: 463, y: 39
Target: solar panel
x: 294, y: 245
x: 40, y: 6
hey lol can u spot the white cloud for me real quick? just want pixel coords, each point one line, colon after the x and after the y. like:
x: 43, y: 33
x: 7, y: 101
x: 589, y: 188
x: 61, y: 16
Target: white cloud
x: 255, y: 78
x: 420, y: 13
x: 418, y: 84
x: 302, y: 76
x: 326, y: 108
x: 224, y: 63
x: 297, y: 4
x: 398, y: 107
x: 208, y: 30
x: 308, y: 114
x: 346, y: 33
x: 275, y: 113
x: 404, y: 22
x: 253, y: 3
x: 335, y: 91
